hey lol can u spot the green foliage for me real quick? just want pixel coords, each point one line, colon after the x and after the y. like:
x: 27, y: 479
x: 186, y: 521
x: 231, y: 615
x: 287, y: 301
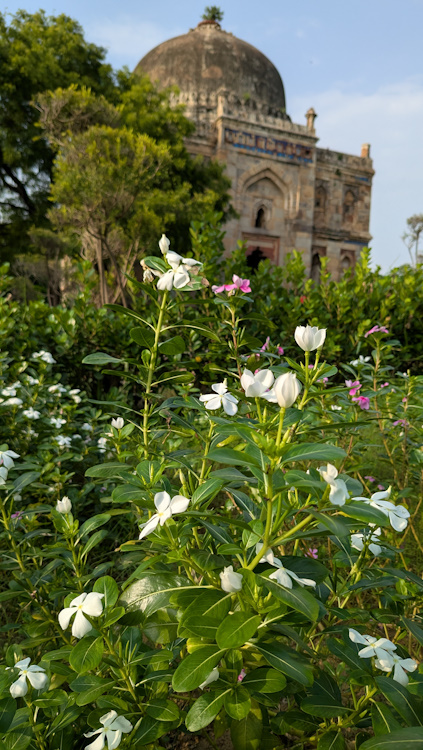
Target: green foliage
x: 212, y: 13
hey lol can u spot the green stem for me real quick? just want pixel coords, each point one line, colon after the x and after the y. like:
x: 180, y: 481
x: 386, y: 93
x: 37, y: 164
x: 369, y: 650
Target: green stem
x: 151, y: 369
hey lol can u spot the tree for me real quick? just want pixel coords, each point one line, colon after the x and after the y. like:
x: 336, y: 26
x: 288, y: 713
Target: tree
x: 411, y: 238
x: 37, y: 53
x: 212, y: 13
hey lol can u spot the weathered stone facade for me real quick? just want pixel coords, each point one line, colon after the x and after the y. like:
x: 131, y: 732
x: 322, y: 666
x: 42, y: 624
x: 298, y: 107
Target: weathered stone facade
x: 289, y: 193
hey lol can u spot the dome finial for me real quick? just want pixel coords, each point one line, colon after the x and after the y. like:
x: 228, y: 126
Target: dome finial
x: 212, y: 13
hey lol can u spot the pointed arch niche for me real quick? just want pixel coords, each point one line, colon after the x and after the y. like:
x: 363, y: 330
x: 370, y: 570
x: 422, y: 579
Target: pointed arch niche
x: 262, y: 206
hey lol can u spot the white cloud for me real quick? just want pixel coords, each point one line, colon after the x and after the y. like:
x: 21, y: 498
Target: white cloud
x: 128, y: 40
x: 390, y: 119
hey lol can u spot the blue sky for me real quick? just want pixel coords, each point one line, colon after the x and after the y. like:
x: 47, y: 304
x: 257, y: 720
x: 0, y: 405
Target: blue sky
x: 360, y: 65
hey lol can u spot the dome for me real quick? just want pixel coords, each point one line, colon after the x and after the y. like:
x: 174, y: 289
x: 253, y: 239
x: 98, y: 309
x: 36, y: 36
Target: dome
x: 208, y: 60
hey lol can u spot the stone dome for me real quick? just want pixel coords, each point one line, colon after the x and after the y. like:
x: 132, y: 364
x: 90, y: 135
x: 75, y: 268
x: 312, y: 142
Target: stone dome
x: 208, y: 60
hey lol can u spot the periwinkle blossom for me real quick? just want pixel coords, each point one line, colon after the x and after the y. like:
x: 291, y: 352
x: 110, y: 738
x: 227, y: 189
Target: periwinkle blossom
x: 110, y: 732
x: 179, y: 274
x: 44, y: 356
x: 57, y: 388
x: 360, y: 361
x: 219, y: 398
x: 212, y: 677
x: 280, y: 350
x: 3, y: 475
x: 64, y: 441
x: 338, y: 492
x: 243, y: 285
x: 164, y: 244
x: 285, y: 391
x: 362, y: 401
x: 230, y: 581
x: 380, y: 648
x: 74, y: 394
x: 400, y: 666
x: 31, y: 413
x: 402, y: 422
x: 282, y: 575
x: 369, y: 535
x: 166, y: 507
x: 6, y: 458
x: 398, y: 515
x: 64, y: 505
x: 28, y: 672
x: 57, y: 422
x: 90, y: 604
x: 117, y: 423
x: 266, y: 344
x: 14, y: 401
x: 376, y: 329
x: 309, y: 337
x: 354, y: 386
x: 258, y: 383
x: 102, y: 442
x: 10, y: 390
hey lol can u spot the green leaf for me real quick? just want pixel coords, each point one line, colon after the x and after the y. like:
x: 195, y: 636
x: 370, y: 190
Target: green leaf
x: 383, y: 719
x: 287, y: 661
x: 108, y: 470
x: 162, y: 709
x: 414, y: 629
x: 131, y: 493
x: 142, y: 336
x: 24, y: 480
x: 365, y: 513
x: 348, y: 655
x: 99, y: 358
x: 148, y: 731
x: 93, y: 523
x: 299, y: 599
x: 87, y: 654
x: 207, y: 490
x: 238, y: 703
x: 218, y: 532
x: 209, y: 603
x: 331, y: 741
x: 337, y: 526
x: 8, y: 708
x: 203, y: 627
x: 195, y: 668
x: 264, y: 680
x: 107, y: 586
x: 91, y: 695
x: 313, y: 452
x: 232, y: 457
x: 18, y: 739
x: 407, y: 705
x: 246, y: 734
x: 204, y: 710
x: 175, y: 345
x: 236, y: 629
x: 152, y: 592
x: 196, y: 326
x: 95, y: 539
x: 402, y: 739
x: 322, y: 705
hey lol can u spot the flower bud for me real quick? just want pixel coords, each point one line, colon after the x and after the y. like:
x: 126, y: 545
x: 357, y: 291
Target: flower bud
x: 118, y: 423
x: 286, y: 388
x: 164, y: 244
x: 64, y: 505
x: 230, y: 581
x: 309, y: 337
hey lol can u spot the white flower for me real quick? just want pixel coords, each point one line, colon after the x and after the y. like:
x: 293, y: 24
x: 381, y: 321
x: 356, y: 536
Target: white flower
x: 64, y: 505
x: 6, y: 458
x: 164, y: 244
x: 398, y: 515
x: 178, y: 275
x: 338, y: 493
x: 230, y: 581
x: 166, y: 508
x: 13, y: 402
x: 101, y: 442
x: 213, y: 676
x: 34, y: 674
x: 285, y: 577
x: 285, y: 391
x: 31, y: 380
x: 113, y: 726
x: 45, y: 356
x: 90, y: 604
x: 118, y: 423
x: 336, y: 408
x: 269, y: 557
x: 219, y: 398
x: 76, y: 436
x: 380, y: 648
x: 360, y: 361
x: 256, y: 384
x: 74, y: 394
x: 63, y: 440
x: 10, y: 390
x: 372, y: 535
x: 31, y: 413
x: 401, y: 667
x: 3, y: 475
x: 309, y: 337
x: 57, y: 422
x: 57, y: 388
x: 87, y: 427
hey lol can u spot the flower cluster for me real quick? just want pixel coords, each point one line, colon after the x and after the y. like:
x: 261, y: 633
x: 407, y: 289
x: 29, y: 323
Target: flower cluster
x: 382, y: 650
x: 282, y: 575
x: 338, y: 492
x: 238, y: 284
x: 376, y: 329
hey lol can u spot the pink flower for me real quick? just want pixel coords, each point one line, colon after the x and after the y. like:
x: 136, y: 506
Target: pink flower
x: 265, y: 345
x: 363, y: 402
x: 402, y: 422
x: 242, y: 284
x: 370, y: 479
x: 384, y: 385
x: 280, y: 351
x: 323, y: 380
x: 376, y: 329
x: 404, y: 401
x: 354, y: 386
x: 312, y: 553
x: 241, y: 675
x: 380, y: 487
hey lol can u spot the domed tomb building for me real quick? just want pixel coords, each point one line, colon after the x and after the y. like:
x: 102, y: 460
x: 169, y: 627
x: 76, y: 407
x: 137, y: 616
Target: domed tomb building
x: 289, y: 193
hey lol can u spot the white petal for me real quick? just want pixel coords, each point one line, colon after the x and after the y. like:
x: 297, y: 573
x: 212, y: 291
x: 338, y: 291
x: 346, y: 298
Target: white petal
x: 113, y: 738
x: 174, y: 259
x: 98, y: 743
x: 179, y: 504
x: 270, y: 396
x: 79, y: 600
x: 93, y: 604
x: 165, y: 515
x: 220, y: 388
x: 181, y: 278
x: 166, y: 281
x: 400, y: 675
x: 282, y: 578
x: 266, y: 378
x: 108, y: 718
x: 215, y: 402
x: 375, y: 549
x: 381, y: 495
x: 247, y: 378
x: 357, y: 541
x: 212, y: 677
x: 229, y: 406
x: 356, y: 637
x: 366, y: 652
x: 80, y: 626
x: 23, y: 664
x: 122, y: 724
x: 161, y: 501
x: 399, y: 524
x: 91, y: 734
x: 65, y: 616
x: 38, y: 680
x: 19, y: 688
x: 149, y: 526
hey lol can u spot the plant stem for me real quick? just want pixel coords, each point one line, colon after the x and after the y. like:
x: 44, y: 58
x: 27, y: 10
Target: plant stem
x: 151, y: 369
